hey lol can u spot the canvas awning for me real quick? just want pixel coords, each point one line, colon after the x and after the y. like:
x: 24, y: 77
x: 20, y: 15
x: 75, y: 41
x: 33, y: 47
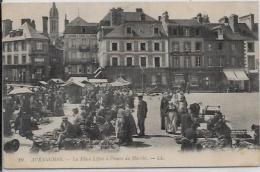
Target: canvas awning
x: 43, y: 82
x: 19, y: 90
x: 57, y: 81
x: 241, y: 75
x: 235, y: 75
x: 74, y: 83
x: 120, y: 82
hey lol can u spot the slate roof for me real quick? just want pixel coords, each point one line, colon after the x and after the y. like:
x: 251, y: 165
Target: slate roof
x: 130, y: 16
x: 28, y: 32
x: 80, y: 26
x: 139, y: 30
x: 183, y: 22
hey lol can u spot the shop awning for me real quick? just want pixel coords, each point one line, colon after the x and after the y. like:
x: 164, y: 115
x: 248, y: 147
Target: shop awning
x: 241, y: 75
x: 235, y: 75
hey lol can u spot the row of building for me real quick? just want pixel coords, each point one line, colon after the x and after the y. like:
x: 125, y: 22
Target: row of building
x: 143, y: 50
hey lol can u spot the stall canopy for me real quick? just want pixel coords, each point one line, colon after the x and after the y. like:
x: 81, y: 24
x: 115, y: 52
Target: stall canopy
x: 235, y: 74
x: 120, y: 82
x: 57, y: 81
x: 43, y: 82
x: 74, y: 83
x: 78, y: 79
x: 20, y: 90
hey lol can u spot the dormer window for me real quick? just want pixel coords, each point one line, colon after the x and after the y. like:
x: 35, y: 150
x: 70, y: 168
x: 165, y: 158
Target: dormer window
x: 129, y: 30
x: 186, y: 32
x: 156, y: 30
x: 220, y: 34
x: 83, y: 30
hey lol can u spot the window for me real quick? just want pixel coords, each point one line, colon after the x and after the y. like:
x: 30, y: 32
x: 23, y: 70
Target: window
x: 129, y: 30
x: 129, y: 61
x: 83, y: 30
x: 143, y: 46
x: 3, y: 47
x: 3, y: 59
x: 233, y: 61
x: 15, y: 46
x: 129, y: 46
x: 157, y: 62
x: 186, y: 32
x: 233, y: 47
x: 143, y: 61
x: 209, y: 47
x: 114, y: 61
x: 174, y: 31
x: 187, y: 46
x: 157, y: 46
x: 221, y: 61
x: 9, y: 59
x: 16, y: 59
x: 84, y: 41
x: 39, y: 46
x: 176, y: 62
x: 114, y: 46
x: 220, y: 46
x: 198, y: 61
x: 250, y: 47
x: 197, y: 32
x: 73, y: 43
x: 198, y: 46
x: 156, y: 30
x: 187, y: 62
x: 23, y: 59
x: 210, y: 61
x: 175, y: 46
x: 23, y: 45
x: 9, y: 47
x: 251, y: 62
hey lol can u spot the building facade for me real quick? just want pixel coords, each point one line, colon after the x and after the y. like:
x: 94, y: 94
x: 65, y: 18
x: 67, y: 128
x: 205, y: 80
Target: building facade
x: 80, y: 48
x: 25, y: 55
x: 134, y: 46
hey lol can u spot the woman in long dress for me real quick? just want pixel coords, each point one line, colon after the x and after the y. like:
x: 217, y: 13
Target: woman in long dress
x: 172, y: 116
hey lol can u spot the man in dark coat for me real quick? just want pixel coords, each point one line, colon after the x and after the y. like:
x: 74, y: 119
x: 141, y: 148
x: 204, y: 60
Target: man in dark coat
x: 141, y: 114
x: 163, y: 108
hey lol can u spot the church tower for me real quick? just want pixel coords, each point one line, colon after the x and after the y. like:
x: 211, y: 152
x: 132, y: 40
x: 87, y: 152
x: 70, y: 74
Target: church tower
x: 54, y: 23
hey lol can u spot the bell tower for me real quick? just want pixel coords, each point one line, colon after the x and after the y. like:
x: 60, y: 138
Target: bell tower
x: 54, y: 23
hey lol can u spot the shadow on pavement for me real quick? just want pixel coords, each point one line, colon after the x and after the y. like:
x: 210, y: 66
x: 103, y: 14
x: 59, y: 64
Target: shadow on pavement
x: 156, y: 135
x: 140, y: 144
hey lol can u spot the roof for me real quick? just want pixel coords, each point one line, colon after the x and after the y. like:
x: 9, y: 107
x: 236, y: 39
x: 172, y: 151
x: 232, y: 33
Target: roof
x: 97, y: 81
x: 187, y: 22
x: 28, y: 32
x: 78, y: 79
x: 139, y: 30
x: 80, y: 26
x: 74, y: 83
x: 130, y: 16
x: 57, y: 80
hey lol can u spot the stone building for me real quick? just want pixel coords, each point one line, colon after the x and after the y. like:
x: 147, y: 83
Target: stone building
x: 134, y: 46
x: 25, y: 54
x: 80, y: 48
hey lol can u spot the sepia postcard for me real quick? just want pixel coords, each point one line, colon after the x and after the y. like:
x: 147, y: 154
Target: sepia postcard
x: 156, y: 84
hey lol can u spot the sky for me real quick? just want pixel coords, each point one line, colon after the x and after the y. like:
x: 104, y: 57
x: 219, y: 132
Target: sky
x: 95, y: 11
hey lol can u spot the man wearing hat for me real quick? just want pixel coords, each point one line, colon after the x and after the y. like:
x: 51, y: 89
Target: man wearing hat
x: 163, y: 108
x: 141, y: 114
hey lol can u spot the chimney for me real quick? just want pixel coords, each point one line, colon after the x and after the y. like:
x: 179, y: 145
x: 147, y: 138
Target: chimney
x: 199, y: 18
x: 248, y: 20
x: 159, y: 18
x: 66, y: 21
x: 25, y: 21
x: 116, y: 16
x: 224, y: 20
x: 233, y: 22
x: 45, y: 25
x: 33, y: 24
x: 165, y: 16
x: 7, y: 26
x: 139, y: 10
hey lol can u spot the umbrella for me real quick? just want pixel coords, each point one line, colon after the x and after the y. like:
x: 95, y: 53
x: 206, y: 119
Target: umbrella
x: 23, y: 90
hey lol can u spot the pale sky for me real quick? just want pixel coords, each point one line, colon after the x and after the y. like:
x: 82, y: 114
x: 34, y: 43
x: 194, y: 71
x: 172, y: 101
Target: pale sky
x: 95, y: 11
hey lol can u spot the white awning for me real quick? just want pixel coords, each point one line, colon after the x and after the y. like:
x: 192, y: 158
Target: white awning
x: 235, y: 75
x: 241, y: 75
x: 230, y: 75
